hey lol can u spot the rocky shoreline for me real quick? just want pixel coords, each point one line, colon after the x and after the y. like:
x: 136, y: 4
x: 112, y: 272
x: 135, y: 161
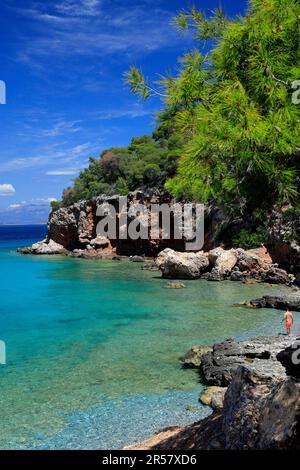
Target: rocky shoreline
x: 215, y: 265
x: 281, y: 302
x: 218, y: 264
x: 254, y: 388
x: 72, y: 231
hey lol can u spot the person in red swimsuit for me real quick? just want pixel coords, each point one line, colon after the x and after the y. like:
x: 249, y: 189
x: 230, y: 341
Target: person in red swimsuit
x: 289, y: 320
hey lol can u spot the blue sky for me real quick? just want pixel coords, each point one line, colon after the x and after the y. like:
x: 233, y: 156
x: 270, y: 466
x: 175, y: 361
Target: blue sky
x: 63, y: 63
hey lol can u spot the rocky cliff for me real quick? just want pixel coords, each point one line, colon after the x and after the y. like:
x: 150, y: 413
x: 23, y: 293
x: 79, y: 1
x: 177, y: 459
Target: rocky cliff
x: 284, y: 239
x: 73, y: 229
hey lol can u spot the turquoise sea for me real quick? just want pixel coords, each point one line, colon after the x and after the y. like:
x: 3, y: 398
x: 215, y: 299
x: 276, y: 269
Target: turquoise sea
x: 93, y: 346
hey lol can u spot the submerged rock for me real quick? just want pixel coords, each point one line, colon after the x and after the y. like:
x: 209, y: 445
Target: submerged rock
x: 175, y: 285
x: 151, y: 266
x: 137, y: 259
x: 194, y: 356
x: 214, y: 397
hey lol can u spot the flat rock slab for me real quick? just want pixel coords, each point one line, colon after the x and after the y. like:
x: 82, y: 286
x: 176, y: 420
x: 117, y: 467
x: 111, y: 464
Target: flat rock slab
x: 281, y: 302
x: 258, y: 354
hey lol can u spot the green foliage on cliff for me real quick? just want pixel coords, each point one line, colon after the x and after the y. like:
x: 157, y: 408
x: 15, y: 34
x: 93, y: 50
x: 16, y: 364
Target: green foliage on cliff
x: 250, y: 239
x: 229, y: 131
x: 234, y: 106
x: 147, y: 162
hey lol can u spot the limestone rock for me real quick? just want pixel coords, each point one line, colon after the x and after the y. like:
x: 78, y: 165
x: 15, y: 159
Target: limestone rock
x: 137, y: 259
x: 100, y: 242
x: 238, y: 276
x: 214, y: 254
x: 193, y: 356
x: 178, y: 265
x: 44, y: 248
x: 248, y: 261
x: 261, y: 408
x: 224, y: 262
x: 213, y: 396
x: 280, y: 302
x: 276, y: 275
x: 175, y: 285
x: 259, y: 354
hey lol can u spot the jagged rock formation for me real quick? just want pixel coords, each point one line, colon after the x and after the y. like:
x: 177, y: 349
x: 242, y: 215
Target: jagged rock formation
x: 45, y: 247
x: 261, y: 408
x: 259, y: 354
x: 284, y: 239
x: 214, y: 397
x: 182, y: 265
x: 75, y: 227
x: 219, y: 264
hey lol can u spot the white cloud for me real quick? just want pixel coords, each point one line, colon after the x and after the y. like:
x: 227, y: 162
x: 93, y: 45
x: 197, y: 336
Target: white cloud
x: 62, y: 172
x: 37, y: 202
x: 129, y: 32
x: 43, y: 200
x: 60, y: 128
x: 7, y: 189
x: 70, y: 155
x: 134, y: 112
x: 78, y: 7
x: 20, y: 163
x: 25, y: 212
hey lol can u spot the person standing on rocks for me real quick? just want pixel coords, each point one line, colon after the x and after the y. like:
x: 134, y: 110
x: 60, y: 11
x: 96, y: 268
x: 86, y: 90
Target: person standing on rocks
x: 289, y: 320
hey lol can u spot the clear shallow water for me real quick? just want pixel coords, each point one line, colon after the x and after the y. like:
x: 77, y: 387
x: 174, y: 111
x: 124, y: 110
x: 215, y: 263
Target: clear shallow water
x: 93, y: 347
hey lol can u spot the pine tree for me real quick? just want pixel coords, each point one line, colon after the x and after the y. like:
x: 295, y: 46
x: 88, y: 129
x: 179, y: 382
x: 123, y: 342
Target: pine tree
x: 234, y: 108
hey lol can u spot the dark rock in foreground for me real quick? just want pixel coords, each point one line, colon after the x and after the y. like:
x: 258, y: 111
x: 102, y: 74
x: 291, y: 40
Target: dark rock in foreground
x: 258, y: 413
x: 261, y: 407
x: 290, y: 359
